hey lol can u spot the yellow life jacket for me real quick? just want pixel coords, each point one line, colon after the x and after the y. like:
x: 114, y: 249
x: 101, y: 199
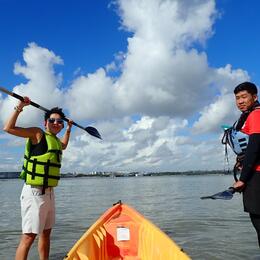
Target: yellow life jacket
x: 43, y: 170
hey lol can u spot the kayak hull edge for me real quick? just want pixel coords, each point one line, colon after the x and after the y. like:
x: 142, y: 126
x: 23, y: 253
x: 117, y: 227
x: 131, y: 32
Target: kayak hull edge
x: 122, y: 233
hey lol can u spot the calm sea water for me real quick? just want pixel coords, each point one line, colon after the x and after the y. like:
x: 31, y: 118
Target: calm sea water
x: 205, y: 229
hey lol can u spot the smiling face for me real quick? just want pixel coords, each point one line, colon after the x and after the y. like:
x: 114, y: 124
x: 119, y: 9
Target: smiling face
x: 245, y: 100
x: 54, y: 124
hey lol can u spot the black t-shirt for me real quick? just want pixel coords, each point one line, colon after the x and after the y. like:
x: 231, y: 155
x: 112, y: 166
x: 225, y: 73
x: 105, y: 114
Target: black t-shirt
x: 40, y: 148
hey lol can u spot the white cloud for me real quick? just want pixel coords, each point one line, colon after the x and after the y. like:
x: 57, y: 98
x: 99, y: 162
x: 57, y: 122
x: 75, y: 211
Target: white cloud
x: 92, y: 96
x: 177, y: 23
x: 221, y: 110
x: 215, y: 113
x: 138, y: 145
x: 166, y: 91
x: 159, y: 71
x: 42, y: 86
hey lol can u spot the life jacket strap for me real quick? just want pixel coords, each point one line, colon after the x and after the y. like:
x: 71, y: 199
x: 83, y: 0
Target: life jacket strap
x: 34, y: 168
x: 41, y: 175
x: 57, y: 152
x: 225, y: 141
x: 57, y: 165
x: 46, y: 176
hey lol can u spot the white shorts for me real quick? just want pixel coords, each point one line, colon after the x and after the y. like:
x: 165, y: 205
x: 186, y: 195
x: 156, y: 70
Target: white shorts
x: 37, y: 210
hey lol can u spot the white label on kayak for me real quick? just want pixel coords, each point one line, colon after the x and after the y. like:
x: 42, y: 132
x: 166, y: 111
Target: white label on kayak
x: 122, y: 234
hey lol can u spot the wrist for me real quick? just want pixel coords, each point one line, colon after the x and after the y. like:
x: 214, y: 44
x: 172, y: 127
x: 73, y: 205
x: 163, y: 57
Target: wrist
x: 18, y: 109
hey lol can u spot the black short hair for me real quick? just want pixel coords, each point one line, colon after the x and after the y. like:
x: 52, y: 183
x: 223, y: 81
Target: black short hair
x: 54, y: 110
x: 248, y: 86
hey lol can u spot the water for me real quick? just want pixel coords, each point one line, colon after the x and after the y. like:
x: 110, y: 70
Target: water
x: 206, y: 229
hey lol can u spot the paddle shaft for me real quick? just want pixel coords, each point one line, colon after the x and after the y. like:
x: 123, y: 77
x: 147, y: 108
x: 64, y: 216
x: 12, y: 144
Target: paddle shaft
x: 96, y: 134
x: 22, y: 99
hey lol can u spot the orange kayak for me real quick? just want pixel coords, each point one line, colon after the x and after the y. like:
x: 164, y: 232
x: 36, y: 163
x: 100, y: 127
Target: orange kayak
x: 122, y: 233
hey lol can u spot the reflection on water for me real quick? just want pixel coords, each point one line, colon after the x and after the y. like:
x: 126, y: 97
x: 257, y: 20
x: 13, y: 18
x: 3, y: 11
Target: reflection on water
x: 206, y: 229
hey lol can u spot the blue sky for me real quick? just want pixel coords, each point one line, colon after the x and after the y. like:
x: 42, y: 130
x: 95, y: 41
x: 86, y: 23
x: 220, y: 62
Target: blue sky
x: 156, y: 82
x: 236, y: 38
x: 85, y: 34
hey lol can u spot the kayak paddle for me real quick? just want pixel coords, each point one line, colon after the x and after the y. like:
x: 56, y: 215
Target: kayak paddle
x: 224, y: 195
x: 91, y: 130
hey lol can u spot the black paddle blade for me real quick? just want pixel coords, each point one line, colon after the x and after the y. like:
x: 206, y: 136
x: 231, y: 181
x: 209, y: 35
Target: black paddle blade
x: 223, y: 195
x: 93, y: 131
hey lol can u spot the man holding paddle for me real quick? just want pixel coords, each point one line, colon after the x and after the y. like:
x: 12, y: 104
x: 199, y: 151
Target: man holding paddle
x: 41, y: 172
x: 245, y: 141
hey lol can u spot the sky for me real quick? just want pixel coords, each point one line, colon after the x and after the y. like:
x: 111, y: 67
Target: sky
x: 155, y: 77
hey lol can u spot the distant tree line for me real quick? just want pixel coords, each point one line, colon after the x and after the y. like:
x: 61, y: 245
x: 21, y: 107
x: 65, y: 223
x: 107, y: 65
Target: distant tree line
x: 15, y: 175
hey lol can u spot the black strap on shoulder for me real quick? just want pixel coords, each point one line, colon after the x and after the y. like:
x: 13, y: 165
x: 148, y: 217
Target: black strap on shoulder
x: 245, y: 114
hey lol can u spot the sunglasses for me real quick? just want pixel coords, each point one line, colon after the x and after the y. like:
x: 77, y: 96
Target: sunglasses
x: 57, y: 120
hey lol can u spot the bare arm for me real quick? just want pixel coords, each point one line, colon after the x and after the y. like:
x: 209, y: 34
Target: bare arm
x: 34, y: 133
x: 65, y: 139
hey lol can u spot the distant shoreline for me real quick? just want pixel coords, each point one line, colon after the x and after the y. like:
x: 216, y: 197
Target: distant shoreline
x: 15, y: 175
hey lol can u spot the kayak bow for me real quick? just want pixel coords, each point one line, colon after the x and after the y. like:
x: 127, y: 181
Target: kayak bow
x: 123, y: 233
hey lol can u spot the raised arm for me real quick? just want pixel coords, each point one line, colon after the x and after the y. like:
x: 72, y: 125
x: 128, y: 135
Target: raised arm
x: 65, y: 139
x: 34, y: 133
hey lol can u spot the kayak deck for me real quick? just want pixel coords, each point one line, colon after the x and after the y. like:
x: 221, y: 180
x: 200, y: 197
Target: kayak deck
x: 122, y: 233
